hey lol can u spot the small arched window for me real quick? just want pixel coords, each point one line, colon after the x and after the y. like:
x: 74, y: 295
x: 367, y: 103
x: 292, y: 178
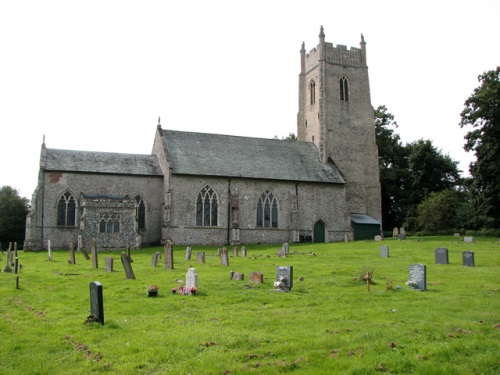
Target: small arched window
x: 344, y: 89
x: 312, y: 91
x: 140, y: 212
x: 66, y: 210
x: 206, y: 208
x: 267, y: 211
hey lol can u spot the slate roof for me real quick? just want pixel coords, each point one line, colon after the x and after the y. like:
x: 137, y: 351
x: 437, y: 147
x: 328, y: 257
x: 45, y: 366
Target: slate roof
x: 101, y: 162
x: 233, y: 156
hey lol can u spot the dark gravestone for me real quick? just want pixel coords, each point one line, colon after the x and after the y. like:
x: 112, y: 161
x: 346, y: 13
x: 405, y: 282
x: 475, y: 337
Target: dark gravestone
x: 200, y: 257
x: 384, y: 251
x: 96, y: 302
x: 109, y: 264
x: 85, y: 254
x: 441, y: 255
x: 284, y: 277
x: 127, y: 247
x: 188, y: 253
x: 402, y: 236
x: 155, y: 258
x: 72, y: 254
x: 418, y: 276
x: 168, y: 255
x: 93, y: 253
x: 468, y: 258
x: 16, y: 265
x: 256, y: 277
x: 127, y: 266
x: 224, y: 257
x: 9, y: 255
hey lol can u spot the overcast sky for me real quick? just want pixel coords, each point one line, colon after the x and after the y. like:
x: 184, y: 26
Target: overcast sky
x: 96, y: 75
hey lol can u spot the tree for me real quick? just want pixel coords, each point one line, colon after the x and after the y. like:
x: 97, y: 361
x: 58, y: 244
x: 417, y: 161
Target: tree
x: 482, y: 112
x: 442, y: 210
x: 13, y: 211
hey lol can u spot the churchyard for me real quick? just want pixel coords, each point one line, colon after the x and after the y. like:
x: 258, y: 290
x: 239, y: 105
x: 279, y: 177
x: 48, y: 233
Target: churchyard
x: 392, y: 306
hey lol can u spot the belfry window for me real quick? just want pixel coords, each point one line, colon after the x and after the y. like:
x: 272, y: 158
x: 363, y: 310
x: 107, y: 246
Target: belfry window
x: 344, y: 89
x: 109, y: 223
x: 206, y: 208
x: 66, y: 210
x: 312, y: 91
x: 267, y: 211
x: 140, y: 212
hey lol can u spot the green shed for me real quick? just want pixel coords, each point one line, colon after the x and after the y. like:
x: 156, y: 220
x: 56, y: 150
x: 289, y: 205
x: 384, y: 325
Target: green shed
x: 364, y: 227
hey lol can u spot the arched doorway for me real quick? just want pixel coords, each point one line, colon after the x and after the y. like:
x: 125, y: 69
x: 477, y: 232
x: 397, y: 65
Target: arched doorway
x: 319, y: 232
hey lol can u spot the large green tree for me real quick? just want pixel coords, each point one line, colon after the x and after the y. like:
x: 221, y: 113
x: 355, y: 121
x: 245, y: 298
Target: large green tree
x: 482, y: 113
x: 13, y: 211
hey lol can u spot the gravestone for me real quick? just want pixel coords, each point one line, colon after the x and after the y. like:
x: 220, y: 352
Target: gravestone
x: 154, y: 259
x: 284, y: 276
x: 7, y: 266
x: 85, y: 254
x: 281, y: 252
x: 109, y: 264
x: 168, y: 254
x: 256, y: 277
x: 127, y: 247
x: 96, y: 301
x: 188, y: 253
x: 468, y: 258
x: 243, y: 251
x: 200, y: 257
x: 235, y: 251
x: 468, y: 239
x: 15, y: 249
x: 378, y: 238
x: 16, y: 265
x: 384, y: 251
x: 395, y: 232
x: 236, y: 276
x: 80, y: 242
x: 127, y: 266
x: 191, y: 279
x: 93, y: 253
x: 138, y: 241
x: 441, y: 255
x: 418, y: 276
x: 402, y: 236
x: 49, y: 252
x: 219, y: 251
x: 72, y: 254
x: 224, y: 257
x: 286, y: 247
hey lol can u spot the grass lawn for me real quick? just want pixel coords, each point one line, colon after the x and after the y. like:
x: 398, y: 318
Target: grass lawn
x: 327, y: 324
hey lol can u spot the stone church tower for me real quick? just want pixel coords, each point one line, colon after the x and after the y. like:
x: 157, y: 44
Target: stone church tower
x: 335, y: 113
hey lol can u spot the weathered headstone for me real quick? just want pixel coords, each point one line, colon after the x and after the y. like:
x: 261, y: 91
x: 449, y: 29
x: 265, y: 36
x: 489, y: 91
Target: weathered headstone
x: 188, y: 253
x: 378, y: 238
x: 9, y: 255
x: 468, y: 258
x: 236, y: 276
x: 243, y: 251
x: 138, y: 241
x: 127, y: 247
x: 96, y: 301
x: 468, y: 239
x: 256, y: 277
x: 284, y: 278
x: 154, y: 259
x: 168, y: 254
x: 224, y: 257
x: 200, y: 257
x: 235, y: 251
x: 384, y: 251
x: 191, y: 279
x: 286, y: 247
x: 402, y: 230
x: 441, y: 255
x: 281, y: 252
x: 418, y: 276
x: 395, y: 232
x: 127, y: 266
x: 402, y: 236
x: 109, y: 264
x: 72, y: 254
x: 85, y: 254
x: 93, y: 254
x: 80, y: 241
x: 49, y: 253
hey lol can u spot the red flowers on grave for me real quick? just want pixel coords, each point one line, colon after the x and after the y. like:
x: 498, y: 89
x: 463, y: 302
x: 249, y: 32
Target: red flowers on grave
x: 153, y: 290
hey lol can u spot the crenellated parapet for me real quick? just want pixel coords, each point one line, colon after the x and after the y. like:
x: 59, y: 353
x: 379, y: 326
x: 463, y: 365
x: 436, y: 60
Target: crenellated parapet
x: 339, y: 55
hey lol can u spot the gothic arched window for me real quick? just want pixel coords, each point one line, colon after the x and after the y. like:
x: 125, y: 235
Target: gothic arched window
x: 66, y: 210
x: 140, y: 213
x: 206, y: 208
x: 267, y: 211
x: 312, y: 91
x: 344, y: 89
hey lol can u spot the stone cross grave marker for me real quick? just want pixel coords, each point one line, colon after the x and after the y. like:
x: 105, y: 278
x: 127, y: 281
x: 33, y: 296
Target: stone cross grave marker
x: 168, y: 254
x: 96, y: 301
x: 188, y: 253
x: 191, y: 279
x: 284, y: 277
x: 441, y: 255
x: 468, y: 258
x: 384, y: 251
x: 200, y: 257
x: 109, y: 264
x: 243, y: 251
x: 468, y: 239
x: 235, y: 252
x: 72, y: 259
x: 154, y: 259
x: 93, y: 254
x: 127, y: 266
x: 395, y: 232
x: 418, y: 276
x: 256, y: 277
x: 224, y: 257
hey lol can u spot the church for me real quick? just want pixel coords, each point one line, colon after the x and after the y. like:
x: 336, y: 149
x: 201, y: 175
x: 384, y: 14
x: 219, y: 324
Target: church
x: 214, y: 189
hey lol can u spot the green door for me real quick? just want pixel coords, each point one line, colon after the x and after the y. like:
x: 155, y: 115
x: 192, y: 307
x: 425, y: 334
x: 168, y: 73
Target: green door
x: 319, y: 232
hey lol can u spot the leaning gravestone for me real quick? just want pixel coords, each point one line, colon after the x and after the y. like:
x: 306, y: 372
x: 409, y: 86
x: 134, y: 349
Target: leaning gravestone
x: 168, y: 255
x: 109, y: 264
x: 418, y: 276
x: 441, y: 255
x: 224, y: 258
x: 200, y: 257
x: 188, y: 253
x: 127, y: 266
x: 256, y: 277
x: 191, y: 279
x: 284, y: 277
x: 96, y: 301
x: 85, y: 254
x: 468, y: 258
x: 154, y: 259
x: 384, y: 251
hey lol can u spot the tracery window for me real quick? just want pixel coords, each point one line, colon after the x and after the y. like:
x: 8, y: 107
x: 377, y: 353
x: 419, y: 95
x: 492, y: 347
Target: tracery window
x: 344, y: 89
x: 109, y: 223
x: 140, y: 212
x: 267, y: 211
x: 312, y: 91
x: 206, y: 207
x: 66, y: 210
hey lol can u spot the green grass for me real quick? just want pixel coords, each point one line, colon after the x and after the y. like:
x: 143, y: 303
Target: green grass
x: 329, y: 323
